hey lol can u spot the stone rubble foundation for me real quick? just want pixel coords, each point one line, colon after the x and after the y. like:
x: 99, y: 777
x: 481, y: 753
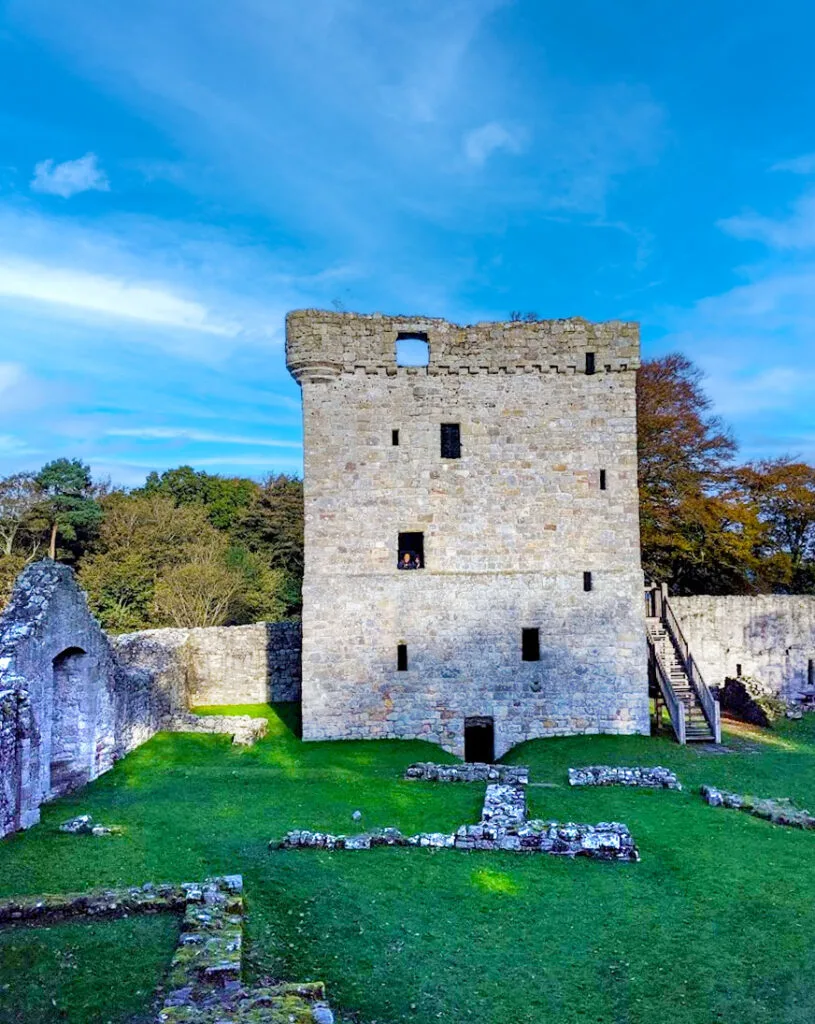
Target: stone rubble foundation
x: 244, y: 729
x: 473, y: 771
x: 779, y: 811
x: 83, y: 825
x: 605, y: 775
x: 204, y: 981
x: 503, y: 826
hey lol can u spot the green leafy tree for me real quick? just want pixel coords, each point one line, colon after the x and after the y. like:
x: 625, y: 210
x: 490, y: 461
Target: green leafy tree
x: 223, y: 497
x: 19, y: 496
x: 67, y: 504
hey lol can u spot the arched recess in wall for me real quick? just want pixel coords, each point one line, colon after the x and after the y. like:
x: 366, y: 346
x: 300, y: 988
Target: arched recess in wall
x: 72, y: 722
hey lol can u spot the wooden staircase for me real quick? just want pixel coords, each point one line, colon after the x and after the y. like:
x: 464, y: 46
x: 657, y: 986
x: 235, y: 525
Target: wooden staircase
x: 675, y: 677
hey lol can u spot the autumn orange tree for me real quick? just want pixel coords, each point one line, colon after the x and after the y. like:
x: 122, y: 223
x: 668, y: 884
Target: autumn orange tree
x: 699, y: 534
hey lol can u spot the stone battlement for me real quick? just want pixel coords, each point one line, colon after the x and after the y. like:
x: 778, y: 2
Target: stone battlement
x: 321, y: 345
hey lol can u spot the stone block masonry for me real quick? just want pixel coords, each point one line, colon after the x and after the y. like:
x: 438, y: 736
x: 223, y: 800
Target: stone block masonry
x: 517, y: 530
x: 72, y: 702
x: 255, y: 664
x: 769, y: 637
x: 204, y: 982
x: 604, y: 775
x: 427, y: 771
x: 503, y: 826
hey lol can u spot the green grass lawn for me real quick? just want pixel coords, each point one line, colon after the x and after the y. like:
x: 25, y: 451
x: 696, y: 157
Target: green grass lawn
x: 716, y: 924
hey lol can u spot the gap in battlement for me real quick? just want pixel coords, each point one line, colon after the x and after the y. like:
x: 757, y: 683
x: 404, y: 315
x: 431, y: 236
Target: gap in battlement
x: 412, y: 348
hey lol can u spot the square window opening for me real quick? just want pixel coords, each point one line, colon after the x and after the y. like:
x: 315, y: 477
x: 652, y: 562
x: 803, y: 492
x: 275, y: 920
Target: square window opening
x: 412, y: 349
x: 450, y: 441
x: 411, y: 551
x: 587, y: 581
x: 395, y: 438
x: 401, y: 658
x: 530, y: 645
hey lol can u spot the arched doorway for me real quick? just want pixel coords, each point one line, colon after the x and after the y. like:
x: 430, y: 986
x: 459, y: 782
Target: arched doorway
x: 72, y: 725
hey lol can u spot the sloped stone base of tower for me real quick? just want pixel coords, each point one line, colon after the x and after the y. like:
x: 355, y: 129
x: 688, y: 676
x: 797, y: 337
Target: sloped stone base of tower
x: 463, y: 636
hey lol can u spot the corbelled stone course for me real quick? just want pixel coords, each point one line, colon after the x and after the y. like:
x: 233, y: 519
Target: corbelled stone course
x: 509, y: 529
x: 474, y: 771
x: 605, y: 775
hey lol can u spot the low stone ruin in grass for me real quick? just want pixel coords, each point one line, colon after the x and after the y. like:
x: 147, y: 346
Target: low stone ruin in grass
x: 475, y: 771
x: 605, y: 775
x: 244, y: 729
x: 779, y: 811
x: 503, y: 826
x: 83, y: 825
x: 204, y: 983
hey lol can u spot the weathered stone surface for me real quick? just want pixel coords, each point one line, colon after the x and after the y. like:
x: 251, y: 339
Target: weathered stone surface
x: 68, y: 709
x: 509, y: 529
x: 606, y: 775
x: 779, y: 811
x: 503, y: 826
x: 244, y: 729
x: 254, y: 664
x: 204, y: 981
x: 771, y: 636
x: 84, y: 825
x: 474, y: 771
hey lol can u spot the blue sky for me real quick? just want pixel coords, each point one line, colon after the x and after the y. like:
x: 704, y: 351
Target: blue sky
x: 175, y: 175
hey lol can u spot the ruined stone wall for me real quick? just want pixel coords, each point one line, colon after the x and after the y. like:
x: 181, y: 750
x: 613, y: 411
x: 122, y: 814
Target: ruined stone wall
x: 509, y: 529
x: 254, y: 664
x: 67, y: 708
x: 772, y: 637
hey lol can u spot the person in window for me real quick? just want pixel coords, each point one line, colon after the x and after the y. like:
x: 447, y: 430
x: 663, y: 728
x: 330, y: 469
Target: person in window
x: 409, y: 561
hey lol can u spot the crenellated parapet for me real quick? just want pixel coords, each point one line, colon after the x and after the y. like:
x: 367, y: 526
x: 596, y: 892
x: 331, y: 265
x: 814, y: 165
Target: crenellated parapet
x: 322, y: 345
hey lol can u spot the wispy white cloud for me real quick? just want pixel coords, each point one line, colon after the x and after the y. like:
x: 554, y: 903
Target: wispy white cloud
x: 71, y: 177
x: 795, y: 231
x: 798, y: 165
x: 113, y: 297
x: 200, y: 436
x: 481, y: 143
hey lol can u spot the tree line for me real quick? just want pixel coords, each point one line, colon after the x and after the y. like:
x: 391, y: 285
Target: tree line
x: 195, y: 549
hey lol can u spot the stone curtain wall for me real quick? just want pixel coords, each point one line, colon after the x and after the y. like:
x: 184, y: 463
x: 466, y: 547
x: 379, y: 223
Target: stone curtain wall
x: 509, y: 529
x: 67, y: 708
x: 772, y: 637
x: 255, y: 664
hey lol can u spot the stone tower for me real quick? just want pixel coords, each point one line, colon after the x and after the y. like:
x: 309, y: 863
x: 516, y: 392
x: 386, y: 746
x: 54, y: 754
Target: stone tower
x: 506, y: 469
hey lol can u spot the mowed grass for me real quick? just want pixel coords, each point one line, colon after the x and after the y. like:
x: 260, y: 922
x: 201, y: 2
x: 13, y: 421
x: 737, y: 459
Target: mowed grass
x: 716, y: 924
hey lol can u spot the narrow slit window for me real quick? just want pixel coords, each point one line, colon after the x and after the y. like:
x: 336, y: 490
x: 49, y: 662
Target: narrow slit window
x: 450, y: 441
x: 587, y: 581
x: 395, y: 438
x: 401, y: 658
x: 590, y: 367
x: 602, y: 479
x: 530, y: 645
x: 811, y: 673
x: 411, y: 551
x: 412, y: 349
x: 738, y: 671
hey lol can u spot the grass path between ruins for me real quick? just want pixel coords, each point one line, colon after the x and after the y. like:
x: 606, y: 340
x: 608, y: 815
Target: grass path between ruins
x: 716, y: 924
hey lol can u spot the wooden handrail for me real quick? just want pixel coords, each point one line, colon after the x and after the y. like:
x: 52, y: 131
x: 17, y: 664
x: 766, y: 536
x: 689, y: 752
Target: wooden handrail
x: 710, y: 705
x: 676, y: 709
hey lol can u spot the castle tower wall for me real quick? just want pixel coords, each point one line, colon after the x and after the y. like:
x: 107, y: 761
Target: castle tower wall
x: 509, y: 529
